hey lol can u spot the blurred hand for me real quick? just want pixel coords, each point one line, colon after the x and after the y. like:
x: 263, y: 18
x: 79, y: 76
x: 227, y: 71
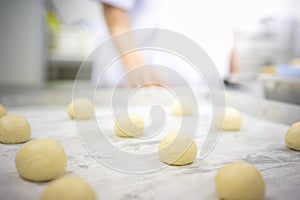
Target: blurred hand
x: 144, y: 77
x: 118, y: 21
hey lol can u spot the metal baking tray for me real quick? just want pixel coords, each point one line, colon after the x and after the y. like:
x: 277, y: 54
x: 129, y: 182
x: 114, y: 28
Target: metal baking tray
x: 280, y: 88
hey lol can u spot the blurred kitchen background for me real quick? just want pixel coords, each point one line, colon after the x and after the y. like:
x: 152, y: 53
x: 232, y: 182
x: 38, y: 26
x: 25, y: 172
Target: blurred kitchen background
x: 47, y: 40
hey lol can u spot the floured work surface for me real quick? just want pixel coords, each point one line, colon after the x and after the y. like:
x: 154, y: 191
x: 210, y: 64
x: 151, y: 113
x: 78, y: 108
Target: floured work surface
x: 259, y: 142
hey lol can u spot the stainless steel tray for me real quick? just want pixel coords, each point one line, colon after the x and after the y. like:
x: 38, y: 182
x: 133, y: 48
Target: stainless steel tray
x: 285, y: 89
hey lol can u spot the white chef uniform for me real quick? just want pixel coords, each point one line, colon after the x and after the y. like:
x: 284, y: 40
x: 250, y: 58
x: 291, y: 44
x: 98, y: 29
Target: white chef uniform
x: 206, y: 23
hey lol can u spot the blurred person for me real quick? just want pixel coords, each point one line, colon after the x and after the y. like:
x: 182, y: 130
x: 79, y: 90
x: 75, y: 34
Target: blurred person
x: 122, y: 16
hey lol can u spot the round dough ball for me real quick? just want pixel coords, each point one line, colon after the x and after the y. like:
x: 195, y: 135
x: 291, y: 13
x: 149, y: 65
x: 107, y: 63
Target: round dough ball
x: 14, y: 129
x: 2, y: 111
x: 129, y: 125
x: 81, y: 108
x: 177, y: 149
x: 239, y: 181
x: 232, y: 119
x: 41, y: 160
x: 183, y: 108
x: 68, y: 188
x: 292, y: 137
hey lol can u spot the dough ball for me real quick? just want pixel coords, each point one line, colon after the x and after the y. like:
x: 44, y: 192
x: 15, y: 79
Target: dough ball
x: 14, y: 129
x: 182, y: 108
x: 2, y: 111
x: 41, y: 160
x: 68, y: 188
x: 232, y: 120
x: 292, y: 137
x: 81, y: 108
x: 239, y: 181
x: 129, y: 126
x: 177, y: 149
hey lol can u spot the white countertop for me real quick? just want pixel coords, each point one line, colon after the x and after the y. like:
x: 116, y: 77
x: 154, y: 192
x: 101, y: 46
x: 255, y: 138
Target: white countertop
x: 259, y: 142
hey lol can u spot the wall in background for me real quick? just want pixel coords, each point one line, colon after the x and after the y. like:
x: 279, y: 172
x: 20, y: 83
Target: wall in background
x: 80, y: 25
x: 267, y: 33
x: 22, y: 43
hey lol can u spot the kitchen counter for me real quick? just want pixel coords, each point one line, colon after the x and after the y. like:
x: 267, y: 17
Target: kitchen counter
x: 260, y: 142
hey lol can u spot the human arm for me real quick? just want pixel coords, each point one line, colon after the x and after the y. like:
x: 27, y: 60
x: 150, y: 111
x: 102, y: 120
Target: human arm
x: 118, y: 21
